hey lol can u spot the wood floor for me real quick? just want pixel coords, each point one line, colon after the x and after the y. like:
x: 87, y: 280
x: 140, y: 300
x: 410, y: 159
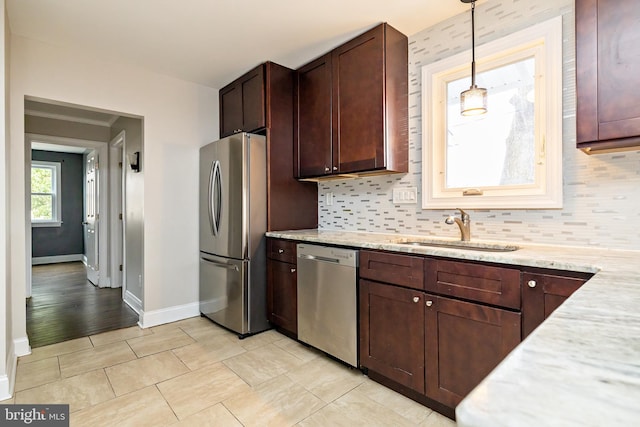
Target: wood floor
x: 64, y: 305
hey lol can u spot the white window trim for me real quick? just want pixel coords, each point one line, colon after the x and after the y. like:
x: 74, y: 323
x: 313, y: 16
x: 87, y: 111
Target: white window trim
x: 57, y: 197
x: 548, y: 124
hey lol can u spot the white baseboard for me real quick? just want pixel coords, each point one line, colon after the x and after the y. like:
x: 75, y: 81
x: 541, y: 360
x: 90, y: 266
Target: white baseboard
x: 19, y: 347
x: 168, y: 315
x: 5, y: 388
x: 56, y: 259
x: 133, y: 301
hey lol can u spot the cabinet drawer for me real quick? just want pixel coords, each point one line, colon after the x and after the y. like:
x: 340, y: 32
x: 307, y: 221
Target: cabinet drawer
x: 482, y: 283
x: 403, y: 270
x: 281, y: 250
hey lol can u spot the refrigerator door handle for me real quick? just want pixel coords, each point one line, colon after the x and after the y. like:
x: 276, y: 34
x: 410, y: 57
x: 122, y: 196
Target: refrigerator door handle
x: 215, y: 197
x: 221, y: 264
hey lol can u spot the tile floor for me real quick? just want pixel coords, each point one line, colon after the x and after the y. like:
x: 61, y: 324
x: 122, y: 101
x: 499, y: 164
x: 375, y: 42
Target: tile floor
x: 193, y: 373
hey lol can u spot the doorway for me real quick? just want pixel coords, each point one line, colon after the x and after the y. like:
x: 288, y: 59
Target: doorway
x: 98, y: 291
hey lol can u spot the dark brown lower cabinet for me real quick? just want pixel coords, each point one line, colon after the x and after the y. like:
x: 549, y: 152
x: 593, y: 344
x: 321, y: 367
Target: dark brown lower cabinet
x: 282, y: 295
x: 464, y: 342
x: 437, y: 346
x: 392, y: 333
x: 542, y: 294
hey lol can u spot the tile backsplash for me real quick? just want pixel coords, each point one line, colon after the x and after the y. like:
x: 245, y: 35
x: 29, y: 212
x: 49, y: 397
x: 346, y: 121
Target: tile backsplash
x: 601, y: 192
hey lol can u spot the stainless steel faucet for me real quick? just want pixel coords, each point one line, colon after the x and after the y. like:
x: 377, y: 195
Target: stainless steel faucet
x: 464, y: 224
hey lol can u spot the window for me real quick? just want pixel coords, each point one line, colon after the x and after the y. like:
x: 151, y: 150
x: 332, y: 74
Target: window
x: 45, y: 194
x: 510, y: 157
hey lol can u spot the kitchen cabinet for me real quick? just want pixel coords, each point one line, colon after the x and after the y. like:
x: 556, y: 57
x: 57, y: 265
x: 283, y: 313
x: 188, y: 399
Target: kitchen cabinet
x: 262, y: 101
x: 282, y: 301
x: 542, y: 293
x: 314, y: 121
x: 607, y: 73
x: 464, y: 341
x: 352, y: 108
x: 436, y: 345
x: 391, y: 333
x: 242, y: 103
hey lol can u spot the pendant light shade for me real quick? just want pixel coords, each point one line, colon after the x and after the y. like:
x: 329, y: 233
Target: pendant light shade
x: 474, y: 100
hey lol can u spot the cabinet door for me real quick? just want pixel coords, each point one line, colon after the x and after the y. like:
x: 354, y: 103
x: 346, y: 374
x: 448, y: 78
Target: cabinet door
x: 253, y: 103
x: 282, y: 301
x: 607, y: 66
x: 358, y: 102
x: 464, y: 342
x: 392, y: 334
x: 230, y: 110
x: 541, y: 295
x: 242, y: 104
x: 313, y: 119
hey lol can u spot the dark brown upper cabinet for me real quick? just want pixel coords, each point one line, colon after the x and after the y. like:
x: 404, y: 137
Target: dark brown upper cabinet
x: 607, y: 75
x: 262, y: 101
x: 242, y: 103
x: 352, y: 108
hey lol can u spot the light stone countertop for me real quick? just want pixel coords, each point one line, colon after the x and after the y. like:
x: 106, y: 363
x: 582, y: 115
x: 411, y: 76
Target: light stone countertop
x: 581, y: 367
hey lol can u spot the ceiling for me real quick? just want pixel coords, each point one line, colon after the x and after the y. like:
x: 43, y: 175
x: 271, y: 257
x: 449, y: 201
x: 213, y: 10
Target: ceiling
x: 211, y: 42
x: 66, y: 112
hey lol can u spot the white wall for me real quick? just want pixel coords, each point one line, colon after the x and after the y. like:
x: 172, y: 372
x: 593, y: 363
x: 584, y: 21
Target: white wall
x: 133, y: 209
x: 601, y: 192
x: 5, y: 289
x: 179, y: 117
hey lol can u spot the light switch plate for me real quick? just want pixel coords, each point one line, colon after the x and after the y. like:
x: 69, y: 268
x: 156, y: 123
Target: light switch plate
x: 328, y: 199
x: 405, y: 196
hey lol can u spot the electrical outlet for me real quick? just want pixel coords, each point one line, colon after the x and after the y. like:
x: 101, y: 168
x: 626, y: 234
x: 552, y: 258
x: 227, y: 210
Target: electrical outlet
x: 405, y: 196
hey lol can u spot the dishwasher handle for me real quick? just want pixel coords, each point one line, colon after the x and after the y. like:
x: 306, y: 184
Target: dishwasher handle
x: 319, y: 258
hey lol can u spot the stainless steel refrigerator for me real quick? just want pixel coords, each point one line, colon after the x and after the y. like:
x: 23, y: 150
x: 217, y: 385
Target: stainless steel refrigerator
x: 233, y: 220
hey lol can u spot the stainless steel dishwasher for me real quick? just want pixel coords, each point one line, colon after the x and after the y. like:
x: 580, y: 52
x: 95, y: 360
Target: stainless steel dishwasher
x: 327, y: 300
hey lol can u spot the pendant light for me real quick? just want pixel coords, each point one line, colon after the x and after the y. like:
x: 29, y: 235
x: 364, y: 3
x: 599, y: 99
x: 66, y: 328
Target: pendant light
x: 474, y: 100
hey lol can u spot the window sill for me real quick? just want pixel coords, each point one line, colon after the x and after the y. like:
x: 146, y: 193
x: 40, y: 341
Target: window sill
x: 46, y: 224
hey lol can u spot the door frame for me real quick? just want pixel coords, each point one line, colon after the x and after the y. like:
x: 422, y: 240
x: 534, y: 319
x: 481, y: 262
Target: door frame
x: 103, y: 153
x: 117, y: 208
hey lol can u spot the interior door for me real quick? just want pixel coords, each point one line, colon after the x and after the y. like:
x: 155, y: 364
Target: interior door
x: 91, y: 217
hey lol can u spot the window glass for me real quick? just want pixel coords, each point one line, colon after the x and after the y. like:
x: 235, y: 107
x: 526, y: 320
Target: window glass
x: 45, y: 197
x: 497, y: 148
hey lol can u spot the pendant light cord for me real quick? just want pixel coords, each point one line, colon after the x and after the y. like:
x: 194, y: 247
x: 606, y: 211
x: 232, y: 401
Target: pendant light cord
x: 473, y: 44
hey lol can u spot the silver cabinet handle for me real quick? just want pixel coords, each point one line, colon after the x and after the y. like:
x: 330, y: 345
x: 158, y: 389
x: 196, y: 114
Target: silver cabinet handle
x: 280, y: 251
x: 293, y: 270
x: 326, y: 169
x: 429, y: 303
x: 416, y: 299
x: 532, y: 283
x: 335, y: 168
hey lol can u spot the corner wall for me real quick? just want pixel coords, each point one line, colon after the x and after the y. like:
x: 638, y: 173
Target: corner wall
x: 179, y: 117
x: 7, y: 375
x: 601, y: 192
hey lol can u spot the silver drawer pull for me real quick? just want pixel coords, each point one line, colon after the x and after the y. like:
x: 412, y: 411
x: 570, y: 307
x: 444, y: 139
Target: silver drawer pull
x: 293, y: 270
x: 280, y: 251
x: 429, y: 303
x: 416, y: 299
x: 532, y: 283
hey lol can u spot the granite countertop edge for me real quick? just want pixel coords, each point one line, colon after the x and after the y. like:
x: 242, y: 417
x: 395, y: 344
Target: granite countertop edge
x: 580, y: 367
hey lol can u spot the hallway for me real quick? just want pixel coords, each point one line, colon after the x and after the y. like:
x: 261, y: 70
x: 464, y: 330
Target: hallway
x: 65, y: 305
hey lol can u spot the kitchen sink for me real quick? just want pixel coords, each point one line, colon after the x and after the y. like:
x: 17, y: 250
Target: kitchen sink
x: 472, y: 246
